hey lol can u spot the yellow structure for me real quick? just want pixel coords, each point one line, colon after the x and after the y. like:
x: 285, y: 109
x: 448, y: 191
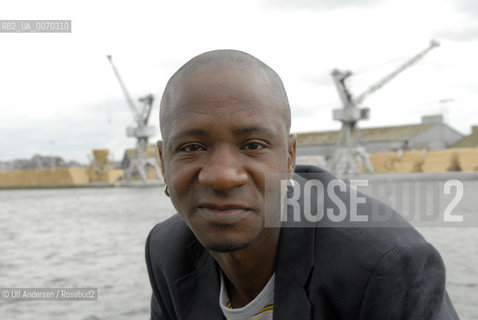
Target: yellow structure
x: 441, y: 161
x: 101, y: 159
x: 110, y: 176
x: 410, y: 161
x: 60, y: 177
x: 468, y: 159
x: 383, y: 162
x: 102, y: 169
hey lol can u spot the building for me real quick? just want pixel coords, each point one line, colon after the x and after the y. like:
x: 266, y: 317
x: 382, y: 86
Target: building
x: 470, y: 141
x: 37, y: 162
x: 431, y: 134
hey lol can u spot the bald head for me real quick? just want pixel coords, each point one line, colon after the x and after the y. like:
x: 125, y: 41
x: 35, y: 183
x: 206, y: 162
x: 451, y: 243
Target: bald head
x: 211, y: 64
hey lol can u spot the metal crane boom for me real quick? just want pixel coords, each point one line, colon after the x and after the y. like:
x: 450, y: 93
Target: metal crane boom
x: 132, y: 106
x: 148, y: 104
x: 141, y: 161
x: 381, y: 83
x: 349, y: 154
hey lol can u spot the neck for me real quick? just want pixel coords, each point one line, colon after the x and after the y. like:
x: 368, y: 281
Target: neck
x: 247, y: 271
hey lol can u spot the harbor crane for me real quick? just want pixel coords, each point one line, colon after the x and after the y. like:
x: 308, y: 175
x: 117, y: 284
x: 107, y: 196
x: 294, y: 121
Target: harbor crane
x: 139, y: 163
x: 349, y: 155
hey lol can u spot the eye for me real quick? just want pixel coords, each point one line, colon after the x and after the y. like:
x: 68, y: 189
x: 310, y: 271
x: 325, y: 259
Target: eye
x: 254, y: 146
x: 192, y: 147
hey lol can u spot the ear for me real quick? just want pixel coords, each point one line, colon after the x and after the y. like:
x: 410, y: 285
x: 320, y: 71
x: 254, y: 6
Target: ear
x: 159, y: 144
x: 291, y: 152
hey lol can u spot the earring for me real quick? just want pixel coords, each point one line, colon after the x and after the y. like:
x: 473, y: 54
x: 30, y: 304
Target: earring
x: 166, y: 191
x: 292, y: 182
x: 290, y: 185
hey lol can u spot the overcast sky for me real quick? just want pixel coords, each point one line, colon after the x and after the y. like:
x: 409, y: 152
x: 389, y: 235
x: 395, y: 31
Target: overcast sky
x: 58, y: 94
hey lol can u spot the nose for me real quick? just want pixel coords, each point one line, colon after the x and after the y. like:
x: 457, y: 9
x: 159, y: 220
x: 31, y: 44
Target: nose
x: 223, y: 170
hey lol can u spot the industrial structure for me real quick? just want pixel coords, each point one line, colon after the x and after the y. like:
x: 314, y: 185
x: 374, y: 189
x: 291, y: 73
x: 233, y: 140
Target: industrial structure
x: 349, y: 155
x: 431, y: 134
x: 151, y: 153
x: 102, y: 169
x: 100, y: 172
x: 138, y: 165
x: 430, y: 146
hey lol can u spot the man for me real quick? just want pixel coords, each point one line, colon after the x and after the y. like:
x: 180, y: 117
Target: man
x: 225, y: 125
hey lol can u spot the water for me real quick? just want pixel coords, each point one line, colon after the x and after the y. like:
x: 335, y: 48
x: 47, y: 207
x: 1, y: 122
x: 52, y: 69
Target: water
x: 95, y: 238
x: 459, y: 250
x: 79, y: 238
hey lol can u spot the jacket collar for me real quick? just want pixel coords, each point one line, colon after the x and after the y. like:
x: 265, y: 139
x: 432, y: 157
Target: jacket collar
x: 295, y: 261
x: 198, y: 291
x: 294, y: 264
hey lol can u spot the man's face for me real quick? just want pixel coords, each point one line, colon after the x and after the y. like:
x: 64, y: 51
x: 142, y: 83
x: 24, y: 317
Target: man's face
x: 225, y: 135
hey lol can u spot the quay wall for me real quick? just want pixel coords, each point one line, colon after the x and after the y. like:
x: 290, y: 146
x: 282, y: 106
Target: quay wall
x: 59, y: 177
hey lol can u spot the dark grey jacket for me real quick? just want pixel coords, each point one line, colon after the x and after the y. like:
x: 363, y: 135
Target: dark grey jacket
x: 326, y: 273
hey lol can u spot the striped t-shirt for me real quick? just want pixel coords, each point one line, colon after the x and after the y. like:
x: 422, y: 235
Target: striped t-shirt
x: 261, y: 308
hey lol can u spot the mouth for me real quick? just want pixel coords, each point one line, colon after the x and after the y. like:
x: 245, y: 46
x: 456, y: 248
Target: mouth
x: 224, y: 213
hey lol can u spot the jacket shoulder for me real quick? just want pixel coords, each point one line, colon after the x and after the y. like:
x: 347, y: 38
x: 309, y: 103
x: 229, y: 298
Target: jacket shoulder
x: 385, y: 271
x: 168, y: 233
x: 376, y: 236
x: 167, y: 260
x: 167, y: 248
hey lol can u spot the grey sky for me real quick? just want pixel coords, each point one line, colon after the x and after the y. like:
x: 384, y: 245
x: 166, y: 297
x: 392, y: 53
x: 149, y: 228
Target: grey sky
x: 58, y: 93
